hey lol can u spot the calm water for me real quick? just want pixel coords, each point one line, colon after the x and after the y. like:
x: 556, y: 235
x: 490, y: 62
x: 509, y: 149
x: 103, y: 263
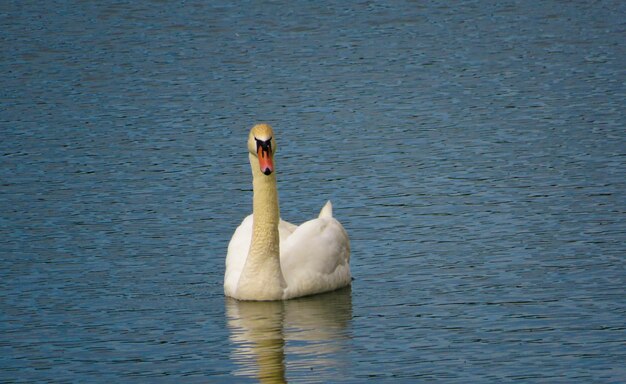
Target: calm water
x: 476, y: 154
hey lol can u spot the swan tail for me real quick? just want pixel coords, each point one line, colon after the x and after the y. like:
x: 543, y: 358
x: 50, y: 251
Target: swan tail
x: 327, y: 211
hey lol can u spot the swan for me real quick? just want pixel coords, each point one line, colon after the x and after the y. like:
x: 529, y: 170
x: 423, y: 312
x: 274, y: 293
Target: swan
x: 271, y: 259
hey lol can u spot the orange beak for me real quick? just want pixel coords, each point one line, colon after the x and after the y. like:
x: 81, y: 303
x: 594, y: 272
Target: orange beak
x: 265, y: 160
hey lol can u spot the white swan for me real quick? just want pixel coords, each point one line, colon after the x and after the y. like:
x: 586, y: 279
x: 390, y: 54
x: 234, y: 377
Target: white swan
x: 271, y: 259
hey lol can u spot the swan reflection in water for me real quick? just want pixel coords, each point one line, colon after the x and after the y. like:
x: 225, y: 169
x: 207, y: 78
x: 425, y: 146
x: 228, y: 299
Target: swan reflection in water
x: 305, y: 336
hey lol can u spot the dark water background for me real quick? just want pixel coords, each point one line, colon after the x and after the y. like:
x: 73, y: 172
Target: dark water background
x: 475, y: 152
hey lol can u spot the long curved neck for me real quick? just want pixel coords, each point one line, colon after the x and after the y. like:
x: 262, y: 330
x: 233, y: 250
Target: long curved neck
x: 265, y: 208
x: 262, y: 278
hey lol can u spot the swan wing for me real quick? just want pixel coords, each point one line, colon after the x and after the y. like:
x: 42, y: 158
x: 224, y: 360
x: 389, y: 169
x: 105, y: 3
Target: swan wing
x: 237, y: 253
x: 285, y: 229
x: 315, y: 258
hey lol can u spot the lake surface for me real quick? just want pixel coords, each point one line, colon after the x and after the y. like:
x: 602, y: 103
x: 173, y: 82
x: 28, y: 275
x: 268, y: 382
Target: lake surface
x: 475, y: 153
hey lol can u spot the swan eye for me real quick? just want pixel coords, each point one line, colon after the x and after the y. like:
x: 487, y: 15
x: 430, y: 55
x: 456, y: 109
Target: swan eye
x: 264, y: 147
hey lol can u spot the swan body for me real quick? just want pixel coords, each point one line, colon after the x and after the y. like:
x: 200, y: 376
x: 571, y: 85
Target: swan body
x: 271, y: 259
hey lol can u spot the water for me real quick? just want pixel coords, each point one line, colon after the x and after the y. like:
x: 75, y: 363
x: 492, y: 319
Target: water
x: 475, y: 153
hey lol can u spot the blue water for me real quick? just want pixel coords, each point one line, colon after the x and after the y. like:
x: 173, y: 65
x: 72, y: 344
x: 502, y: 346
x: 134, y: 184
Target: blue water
x: 475, y: 153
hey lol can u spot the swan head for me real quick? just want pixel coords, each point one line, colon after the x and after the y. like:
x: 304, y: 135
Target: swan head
x: 262, y: 145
